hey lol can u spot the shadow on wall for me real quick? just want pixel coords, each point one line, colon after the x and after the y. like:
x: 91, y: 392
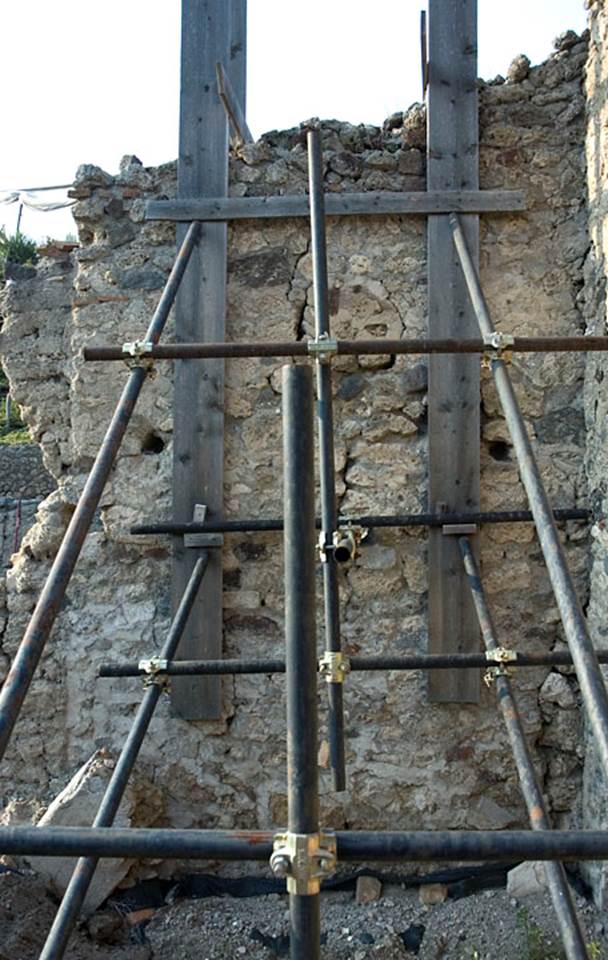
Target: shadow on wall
x: 16, y: 518
x: 24, y: 483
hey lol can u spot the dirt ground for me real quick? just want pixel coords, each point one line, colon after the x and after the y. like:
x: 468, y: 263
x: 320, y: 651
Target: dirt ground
x: 489, y: 925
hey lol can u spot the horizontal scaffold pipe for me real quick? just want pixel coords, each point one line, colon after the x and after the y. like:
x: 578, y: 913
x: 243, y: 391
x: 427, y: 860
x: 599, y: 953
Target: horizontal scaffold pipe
x: 414, y: 661
x: 352, y: 846
x: 348, y: 348
x: 252, y: 525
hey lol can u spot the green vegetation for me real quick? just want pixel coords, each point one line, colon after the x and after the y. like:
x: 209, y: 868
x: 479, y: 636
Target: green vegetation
x: 536, y: 946
x: 16, y: 431
x: 16, y: 248
x: 14, y: 435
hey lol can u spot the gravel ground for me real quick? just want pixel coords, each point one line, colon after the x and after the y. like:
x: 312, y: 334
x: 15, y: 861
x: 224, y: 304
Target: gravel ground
x: 486, y: 926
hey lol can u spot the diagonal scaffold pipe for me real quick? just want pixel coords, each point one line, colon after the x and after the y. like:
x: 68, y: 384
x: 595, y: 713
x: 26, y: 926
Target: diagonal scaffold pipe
x: 49, y: 603
x: 84, y: 871
x: 584, y: 658
x: 561, y: 896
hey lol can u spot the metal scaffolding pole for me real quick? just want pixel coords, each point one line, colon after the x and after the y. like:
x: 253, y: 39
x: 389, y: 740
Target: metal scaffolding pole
x: 563, y: 902
x: 253, y: 525
x: 325, y: 422
x: 350, y: 348
x: 412, y: 661
x: 30, y: 650
x: 300, y: 642
x: 353, y: 846
x: 80, y: 881
x: 584, y: 657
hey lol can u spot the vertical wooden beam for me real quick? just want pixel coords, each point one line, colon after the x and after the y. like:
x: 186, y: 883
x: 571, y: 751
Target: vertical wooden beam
x: 198, y: 414
x: 454, y: 396
x: 237, y: 62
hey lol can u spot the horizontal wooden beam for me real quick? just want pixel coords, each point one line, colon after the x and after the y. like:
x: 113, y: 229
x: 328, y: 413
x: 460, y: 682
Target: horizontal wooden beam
x: 339, y: 205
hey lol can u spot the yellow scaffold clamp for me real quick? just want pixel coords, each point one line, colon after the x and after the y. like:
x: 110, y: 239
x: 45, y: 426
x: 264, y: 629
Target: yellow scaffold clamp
x: 504, y: 656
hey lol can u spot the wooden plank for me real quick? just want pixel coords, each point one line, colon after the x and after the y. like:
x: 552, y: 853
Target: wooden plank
x: 236, y: 68
x: 336, y: 205
x: 237, y: 64
x: 452, y: 142
x: 198, y: 417
x: 424, y: 58
x: 232, y: 106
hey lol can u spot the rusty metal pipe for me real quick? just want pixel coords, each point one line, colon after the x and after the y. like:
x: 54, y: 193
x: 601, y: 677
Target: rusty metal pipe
x: 352, y: 348
x: 353, y: 845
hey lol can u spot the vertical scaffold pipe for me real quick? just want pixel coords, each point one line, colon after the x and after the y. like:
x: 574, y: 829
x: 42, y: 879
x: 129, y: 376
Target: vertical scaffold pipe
x: 561, y: 896
x: 80, y: 881
x: 30, y: 649
x: 329, y: 513
x: 300, y: 640
x: 585, y: 661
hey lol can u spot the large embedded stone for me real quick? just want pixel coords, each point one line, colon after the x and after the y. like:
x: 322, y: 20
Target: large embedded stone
x: 526, y: 879
x: 76, y: 806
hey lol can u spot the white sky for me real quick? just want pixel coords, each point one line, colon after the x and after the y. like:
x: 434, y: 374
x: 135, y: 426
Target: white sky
x: 88, y: 82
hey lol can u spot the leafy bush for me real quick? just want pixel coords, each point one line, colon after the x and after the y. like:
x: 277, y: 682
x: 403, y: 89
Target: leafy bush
x: 16, y: 248
x: 15, y: 435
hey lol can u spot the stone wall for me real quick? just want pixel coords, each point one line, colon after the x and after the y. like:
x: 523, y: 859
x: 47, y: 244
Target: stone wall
x: 16, y: 518
x: 595, y: 804
x: 408, y: 762
x: 22, y: 473
x: 23, y: 484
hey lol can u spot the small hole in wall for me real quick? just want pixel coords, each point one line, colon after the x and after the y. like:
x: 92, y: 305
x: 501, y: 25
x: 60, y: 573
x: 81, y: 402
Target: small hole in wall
x: 499, y: 450
x: 152, y: 444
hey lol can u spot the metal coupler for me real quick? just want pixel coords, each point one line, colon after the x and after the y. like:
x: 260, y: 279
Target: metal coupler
x: 304, y: 859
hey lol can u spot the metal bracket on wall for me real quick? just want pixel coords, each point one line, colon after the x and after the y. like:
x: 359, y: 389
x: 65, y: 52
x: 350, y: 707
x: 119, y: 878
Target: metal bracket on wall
x: 202, y: 539
x: 459, y: 529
